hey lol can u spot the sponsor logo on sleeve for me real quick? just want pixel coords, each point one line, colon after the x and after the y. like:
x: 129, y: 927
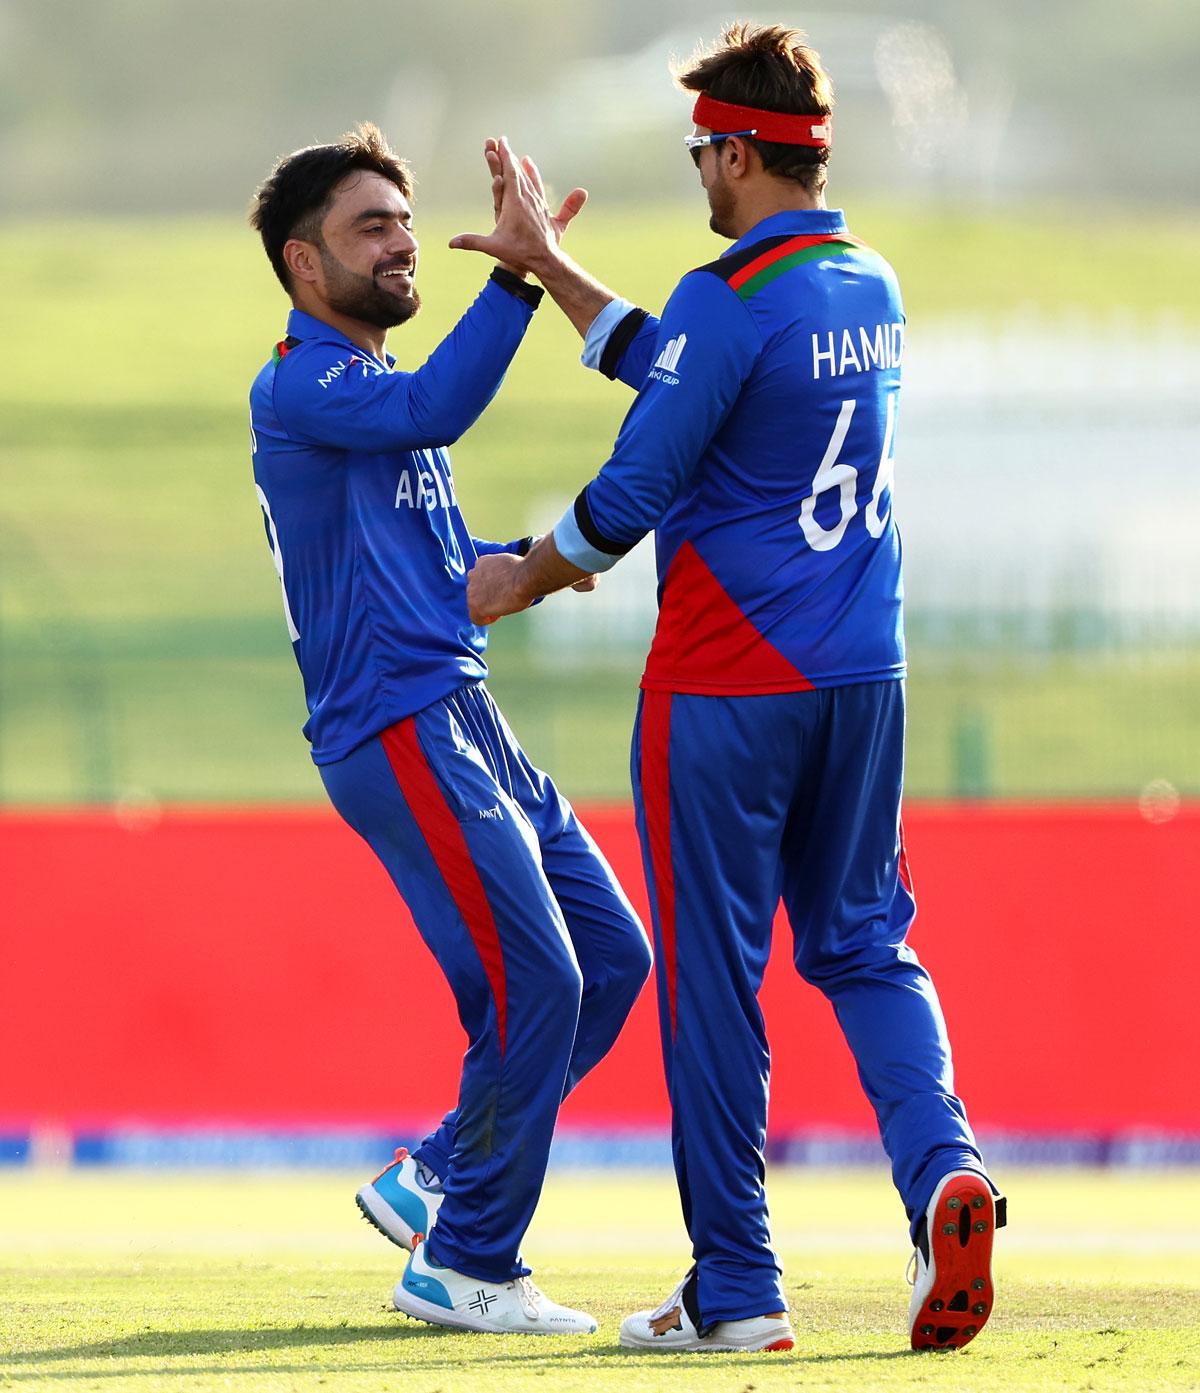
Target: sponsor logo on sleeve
x: 667, y: 363
x: 331, y: 374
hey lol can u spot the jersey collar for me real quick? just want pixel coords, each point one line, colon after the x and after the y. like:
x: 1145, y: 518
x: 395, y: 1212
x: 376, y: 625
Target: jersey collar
x: 798, y: 222
x: 307, y: 326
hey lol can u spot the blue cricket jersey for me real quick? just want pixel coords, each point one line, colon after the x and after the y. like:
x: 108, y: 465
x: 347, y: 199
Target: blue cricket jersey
x: 354, y: 480
x: 760, y: 451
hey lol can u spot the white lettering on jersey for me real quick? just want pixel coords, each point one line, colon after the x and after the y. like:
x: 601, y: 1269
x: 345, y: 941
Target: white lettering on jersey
x: 277, y: 557
x: 333, y: 373
x: 422, y: 485
x: 826, y: 356
x: 882, y: 346
x: 830, y: 474
x: 427, y: 489
x: 844, y: 477
x: 883, y: 477
x: 875, y: 351
x: 443, y: 497
x: 848, y: 354
x: 417, y: 488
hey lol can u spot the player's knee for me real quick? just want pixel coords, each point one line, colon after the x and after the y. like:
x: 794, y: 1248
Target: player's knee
x: 848, y: 964
x: 633, y: 963
x: 562, y: 984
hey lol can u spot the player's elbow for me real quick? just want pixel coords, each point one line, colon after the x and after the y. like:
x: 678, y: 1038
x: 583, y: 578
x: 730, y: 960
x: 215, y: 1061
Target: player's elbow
x: 440, y: 425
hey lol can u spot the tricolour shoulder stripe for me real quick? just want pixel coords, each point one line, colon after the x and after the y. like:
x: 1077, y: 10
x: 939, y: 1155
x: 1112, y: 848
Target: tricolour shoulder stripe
x: 728, y: 266
x: 283, y: 348
x: 796, y: 251
x: 747, y: 271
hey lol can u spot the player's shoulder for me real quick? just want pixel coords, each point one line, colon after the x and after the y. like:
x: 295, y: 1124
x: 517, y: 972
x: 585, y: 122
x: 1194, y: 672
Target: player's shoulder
x: 708, y: 286
x: 315, y: 362
x: 727, y: 268
x: 751, y: 269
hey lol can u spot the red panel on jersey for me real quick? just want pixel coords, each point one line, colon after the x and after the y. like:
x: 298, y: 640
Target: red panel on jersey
x: 705, y: 645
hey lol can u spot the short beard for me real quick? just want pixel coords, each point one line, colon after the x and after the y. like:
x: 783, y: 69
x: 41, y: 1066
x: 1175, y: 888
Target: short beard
x: 362, y: 298
x: 721, y: 209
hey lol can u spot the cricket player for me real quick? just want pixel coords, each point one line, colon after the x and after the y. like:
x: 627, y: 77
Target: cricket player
x: 769, y: 745
x: 540, y: 946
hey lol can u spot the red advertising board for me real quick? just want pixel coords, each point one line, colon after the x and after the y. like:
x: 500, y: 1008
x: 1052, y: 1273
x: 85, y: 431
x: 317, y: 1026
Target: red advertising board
x: 256, y: 967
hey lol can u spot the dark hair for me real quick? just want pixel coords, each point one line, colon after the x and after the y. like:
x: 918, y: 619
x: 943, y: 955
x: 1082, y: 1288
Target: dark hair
x: 772, y: 68
x: 293, y: 199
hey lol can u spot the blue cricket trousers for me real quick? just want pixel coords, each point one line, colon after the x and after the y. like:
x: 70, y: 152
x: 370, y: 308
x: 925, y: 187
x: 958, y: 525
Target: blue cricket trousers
x: 741, y: 801
x: 541, y: 948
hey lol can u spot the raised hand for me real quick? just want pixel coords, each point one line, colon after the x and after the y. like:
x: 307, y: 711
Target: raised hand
x: 526, y: 235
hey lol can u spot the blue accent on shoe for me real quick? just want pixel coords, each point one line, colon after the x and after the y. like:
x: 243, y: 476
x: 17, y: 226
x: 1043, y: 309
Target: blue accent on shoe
x: 427, y: 1288
x: 407, y: 1205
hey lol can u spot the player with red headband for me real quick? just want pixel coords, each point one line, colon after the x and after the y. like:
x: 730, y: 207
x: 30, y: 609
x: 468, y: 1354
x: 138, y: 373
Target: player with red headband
x: 769, y: 745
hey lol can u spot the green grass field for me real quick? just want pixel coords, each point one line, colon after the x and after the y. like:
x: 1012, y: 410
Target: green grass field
x: 115, y: 1281
x: 141, y: 646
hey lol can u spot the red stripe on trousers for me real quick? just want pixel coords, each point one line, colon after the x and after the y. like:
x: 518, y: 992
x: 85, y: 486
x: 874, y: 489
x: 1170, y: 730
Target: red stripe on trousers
x: 444, y: 836
x: 656, y: 803
x: 905, y: 873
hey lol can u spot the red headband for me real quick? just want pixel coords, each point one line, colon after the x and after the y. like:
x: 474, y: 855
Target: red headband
x: 769, y: 125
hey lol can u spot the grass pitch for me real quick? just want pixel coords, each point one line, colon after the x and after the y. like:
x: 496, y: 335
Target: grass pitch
x: 114, y: 1281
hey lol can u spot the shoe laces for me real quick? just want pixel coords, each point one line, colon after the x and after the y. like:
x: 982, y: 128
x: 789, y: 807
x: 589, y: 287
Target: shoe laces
x: 528, y: 1295
x: 675, y: 1299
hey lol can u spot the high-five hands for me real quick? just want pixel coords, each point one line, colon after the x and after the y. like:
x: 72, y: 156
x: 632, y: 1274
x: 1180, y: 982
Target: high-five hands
x: 526, y: 234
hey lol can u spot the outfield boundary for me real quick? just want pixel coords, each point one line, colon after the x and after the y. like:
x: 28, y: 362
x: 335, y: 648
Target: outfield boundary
x: 574, y: 1148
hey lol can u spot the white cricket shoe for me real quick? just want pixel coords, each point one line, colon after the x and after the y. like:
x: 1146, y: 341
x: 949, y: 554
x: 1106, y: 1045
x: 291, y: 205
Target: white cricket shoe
x: 675, y: 1325
x: 442, y: 1296
x: 951, y: 1266
x: 402, y: 1201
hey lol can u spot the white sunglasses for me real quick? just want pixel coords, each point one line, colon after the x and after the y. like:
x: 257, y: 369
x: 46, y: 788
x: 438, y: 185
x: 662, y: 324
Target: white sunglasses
x: 696, y: 143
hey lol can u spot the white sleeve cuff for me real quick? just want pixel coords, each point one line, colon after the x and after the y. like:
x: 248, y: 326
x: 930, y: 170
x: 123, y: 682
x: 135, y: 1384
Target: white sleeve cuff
x: 574, y: 547
x: 600, y: 331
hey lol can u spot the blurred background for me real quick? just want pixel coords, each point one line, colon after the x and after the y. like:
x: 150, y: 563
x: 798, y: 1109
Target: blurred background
x: 1032, y: 172
x: 1028, y: 169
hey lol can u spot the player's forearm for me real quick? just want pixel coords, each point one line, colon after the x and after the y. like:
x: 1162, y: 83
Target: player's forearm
x: 579, y: 295
x: 545, y: 570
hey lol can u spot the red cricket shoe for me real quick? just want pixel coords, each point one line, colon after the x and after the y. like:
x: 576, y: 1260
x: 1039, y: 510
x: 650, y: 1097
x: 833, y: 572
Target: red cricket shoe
x: 953, y: 1295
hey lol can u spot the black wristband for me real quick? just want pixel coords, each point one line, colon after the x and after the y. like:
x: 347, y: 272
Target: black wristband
x: 619, y: 340
x: 592, y: 534
x: 524, y: 544
x: 531, y: 294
